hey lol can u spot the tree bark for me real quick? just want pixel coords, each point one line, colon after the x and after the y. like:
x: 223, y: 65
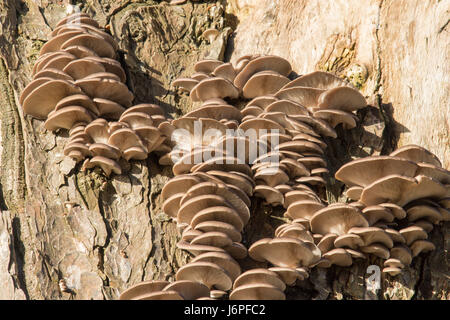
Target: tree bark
x: 102, y: 235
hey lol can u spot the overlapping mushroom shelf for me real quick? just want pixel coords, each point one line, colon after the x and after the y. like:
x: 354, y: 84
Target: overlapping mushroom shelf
x: 79, y: 85
x: 402, y: 196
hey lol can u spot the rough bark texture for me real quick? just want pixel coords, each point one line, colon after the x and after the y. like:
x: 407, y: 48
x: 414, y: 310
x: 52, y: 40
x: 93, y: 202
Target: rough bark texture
x: 102, y: 235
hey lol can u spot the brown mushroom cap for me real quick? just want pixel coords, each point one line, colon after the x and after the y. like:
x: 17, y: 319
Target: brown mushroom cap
x: 78, y: 100
x: 263, y: 83
x: 337, y: 219
x: 258, y: 291
x: 419, y: 246
x: 417, y: 154
x: 107, y: 89
x: 44, y: 98
x: 413, y: 233
x: 67, y: 117
x: 217, y: 213
x: 223, y: 260
x: 283, y: 252
x: 342, y: 98
x: 401, y: 190
x: 303, y: 209
x: 143, y: 288
x: 94, y: 42
x: 335, y: 117
x: 363, y: 172
x: 272, y: 63
x: 107, y: 165
x: 185, y: 84
x: 339, y: 257
x: 371, y: 235
x: 225, y: 71
x: 208, y: 273
x: 304, y: 96
x: 271, y: 195
x: 427, y: 212
x: 189, y: 290
x: 317, y: 79
x: 352, y: 241
x: 207, y: 66
x: 214, y: 88
x: 51, y: 73
x: 393, y: 271
x: 377, y: 213
x: 376, y: 249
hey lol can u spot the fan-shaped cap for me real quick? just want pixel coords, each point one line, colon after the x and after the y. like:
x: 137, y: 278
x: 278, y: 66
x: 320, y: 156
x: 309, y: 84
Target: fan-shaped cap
x: 67, y: 117
x: 189, y: 290
x: 319, y: 80
x: 107, y: 165
x: 364, y: 171
x: 44, y: 98
x: 272, y: 63
x: 339, y: 257
x: 223, y: 260
x: 208, y: 273
x: 342, y: 98
x: 304, y: 96
x: 142, y: 288
x: 303, y: 209
x: 263, y: 83
x: 257, y: 276
x: 283, y: 252
x: 107, y: 89
x: 335, y: 117
x: 372, y: 235
x: 207, y: 66
x: 417, y: 154
x: 94, y: 42
x: 337, y: 219
x: 214, y: 88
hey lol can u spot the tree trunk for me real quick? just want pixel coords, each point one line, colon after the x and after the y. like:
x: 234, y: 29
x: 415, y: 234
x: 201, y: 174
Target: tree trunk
x: 101, y: 235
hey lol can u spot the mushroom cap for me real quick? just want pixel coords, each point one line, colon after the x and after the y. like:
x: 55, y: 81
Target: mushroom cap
x: 319, y: 80
x: 263, y: 83
x: 326, y: 243
x: 223, y: 260
x: 225, y: 71
x: 217, y: 213
x: 283, y: 252
x: 427, y: 212
x: 289, y: 275
x: 362, y: 172
x: 214, y: 88
x: 419, y: 246
x: 393, y: 271
x: 207, y: 273
x: 212, y: 238
x: 108, y: 165
x: 189, y: 290
x: 298, y: 195
x: 354, y: 192
x: 417, y: 154
x: 335, y: 117
x: 107, y: 89
x: 371, y: 235
x: 237, y: 250
x: 125, y: 139
x: 304, y: 96
x: 80, y: 51
x: 161, y: 295
x: 218, y: 111
x: 271, y: 195
x: 339, y: 257
x: 398, y: 212
x: 207, y: 66
x: 303, y: 209
x: 143, y: 288
x: 342, y: 98
x: 51, y: 73
x: 44, y: 98
x: 263, y: 63
x: 337, y: 219
x: 401, y: 190
x: 377, y: 213
x: 197, y: 203
x: 261, y: 102
x: 186, y: 84
x: 432, y: 171
x: 171, y: 205
x: 94, y: 42
x: 109, y: 109
x: 413, y: 233
x: 376, y: 249
x: 55, y: 43
x: 257, y: 276
x: 67, y: 117
x: 257, y: 292
x: 78, y: 100
x: 402, y: 253
x: 394, y: 263
x: 81, y: 68
x: 235, y: 179
x: 352, y: 241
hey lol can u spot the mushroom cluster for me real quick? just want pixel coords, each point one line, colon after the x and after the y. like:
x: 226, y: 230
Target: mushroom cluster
x: 102, y: 143
x: 76, y: 78
x: 79, y: 86
x: 402, y: 195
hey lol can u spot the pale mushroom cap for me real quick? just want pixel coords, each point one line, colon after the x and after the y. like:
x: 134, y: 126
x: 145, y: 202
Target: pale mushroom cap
x: 271, y: 195
x: 362, y: 172
x: 67, y: 117
x: 214, y: 88
x: 44, y: 98
x: 207, y: 66
x: 417, y: 154
x: 342, y: 98
x: 319, y: 80
x: 413, y: 233
x: 94, y: 42
x: 352, y: 241
x: 283, y: 252
x: 402, y: 190
x: 263, y: 83
x: 263, y: 63
x: 189, y: 290
x: 371, y: 235
x: 335, y: 117
x: 303, y: 209
x: 337, y: 219
x: 210, y: 274
x: 339, y: 257
x: 223, y: 260
x: 143, y: 288
x: 419, y: 246
x: 257, y: 292
x: 304, y: 96
x: 259, y: 275
x: 107, y: 89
